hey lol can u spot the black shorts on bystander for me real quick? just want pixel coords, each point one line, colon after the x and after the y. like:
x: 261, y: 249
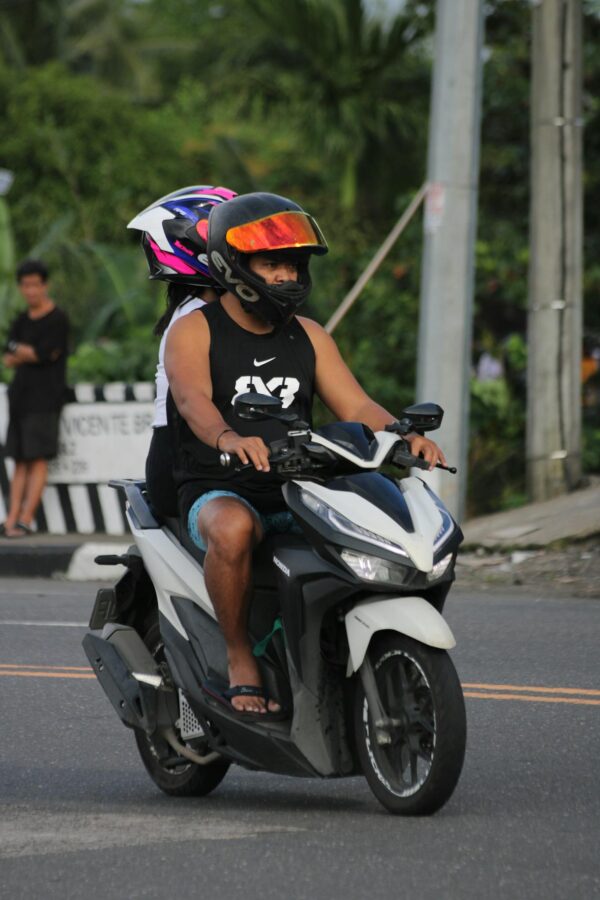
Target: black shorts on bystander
x: 32, y: 436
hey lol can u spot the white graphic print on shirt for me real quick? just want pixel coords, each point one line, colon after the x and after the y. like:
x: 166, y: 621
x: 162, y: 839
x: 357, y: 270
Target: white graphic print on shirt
x: 284, y: 388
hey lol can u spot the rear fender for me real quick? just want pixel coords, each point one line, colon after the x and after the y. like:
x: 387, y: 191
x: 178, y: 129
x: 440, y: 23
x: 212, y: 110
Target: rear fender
x: 412, y: 616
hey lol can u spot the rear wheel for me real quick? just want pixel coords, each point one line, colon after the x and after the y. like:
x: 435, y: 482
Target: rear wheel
x: 415, y: 768
x: 187, y: 779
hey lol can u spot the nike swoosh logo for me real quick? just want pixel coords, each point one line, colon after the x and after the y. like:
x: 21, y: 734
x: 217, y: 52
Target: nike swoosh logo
x: 263, y: 362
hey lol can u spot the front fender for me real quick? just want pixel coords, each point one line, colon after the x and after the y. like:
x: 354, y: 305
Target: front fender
x: 412, y: 616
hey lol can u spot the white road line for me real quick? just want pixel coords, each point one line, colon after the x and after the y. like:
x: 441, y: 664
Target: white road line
x: 39, y: 833
x: 46, y: 624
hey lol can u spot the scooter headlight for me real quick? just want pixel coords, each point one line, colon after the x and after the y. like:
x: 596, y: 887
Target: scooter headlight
x: 341, y: 523
x: 375, y: 569
x: 440, y: 568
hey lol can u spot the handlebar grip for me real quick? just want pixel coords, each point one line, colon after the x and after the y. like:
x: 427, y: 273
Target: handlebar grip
x: 419, y: 463
x: 405, y: 459
x: 229, y: 460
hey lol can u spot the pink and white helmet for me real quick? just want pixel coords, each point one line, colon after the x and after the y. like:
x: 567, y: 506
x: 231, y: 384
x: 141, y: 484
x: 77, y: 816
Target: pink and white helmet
x: 174, y: 231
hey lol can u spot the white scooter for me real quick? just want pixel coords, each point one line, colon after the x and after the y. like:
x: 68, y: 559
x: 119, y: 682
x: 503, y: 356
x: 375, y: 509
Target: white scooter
x: 345, y: 617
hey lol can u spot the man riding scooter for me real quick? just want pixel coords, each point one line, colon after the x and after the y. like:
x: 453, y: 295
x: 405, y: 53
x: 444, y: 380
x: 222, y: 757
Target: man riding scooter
x: 259, y: 246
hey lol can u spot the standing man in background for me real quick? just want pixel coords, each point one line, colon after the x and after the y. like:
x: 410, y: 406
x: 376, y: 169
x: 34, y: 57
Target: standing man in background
x: 37, y: 351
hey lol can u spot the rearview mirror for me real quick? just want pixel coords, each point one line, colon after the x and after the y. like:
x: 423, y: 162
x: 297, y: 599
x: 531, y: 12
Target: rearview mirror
x: 257, y: 406
x: 423, y: 416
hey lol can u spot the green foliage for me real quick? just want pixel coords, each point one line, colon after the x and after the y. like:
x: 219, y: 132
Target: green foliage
x: 108, y: 104
x: 76, y: 146
x: 7, y: 261
x: 378, y: 337
x: 591, y: 229
x: 502, y: 246
x: 84, y: 165
x: 133, y: 358
x: 327, y: 86
x: 496, y: 448
x: 591, y: 448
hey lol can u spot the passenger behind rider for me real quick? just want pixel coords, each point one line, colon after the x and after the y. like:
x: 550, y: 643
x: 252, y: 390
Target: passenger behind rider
x: 174, y: 230
x: 259, y: 247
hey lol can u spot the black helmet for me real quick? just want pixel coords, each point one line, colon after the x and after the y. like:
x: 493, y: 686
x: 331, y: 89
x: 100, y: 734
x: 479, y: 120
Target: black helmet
x: 260, y: 223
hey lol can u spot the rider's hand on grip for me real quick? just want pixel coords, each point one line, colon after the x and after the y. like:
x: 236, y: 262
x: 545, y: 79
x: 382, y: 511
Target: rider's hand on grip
x: 403, y: 457
x: 428, y: 451
x: 249, y: 450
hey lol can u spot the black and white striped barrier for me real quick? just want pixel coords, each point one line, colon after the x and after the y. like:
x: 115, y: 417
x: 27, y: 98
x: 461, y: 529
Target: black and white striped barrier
x: 103, y: 435
x: 71, y: 557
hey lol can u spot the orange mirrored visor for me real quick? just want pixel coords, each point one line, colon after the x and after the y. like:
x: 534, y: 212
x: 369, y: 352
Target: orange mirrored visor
x: 283, y: 231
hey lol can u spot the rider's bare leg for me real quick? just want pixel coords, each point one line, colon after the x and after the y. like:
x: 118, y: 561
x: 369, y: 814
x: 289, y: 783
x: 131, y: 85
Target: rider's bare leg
x: 231, y: 531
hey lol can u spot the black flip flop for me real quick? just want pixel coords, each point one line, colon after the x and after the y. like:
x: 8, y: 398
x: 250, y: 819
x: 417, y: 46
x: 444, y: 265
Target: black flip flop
x: 215, y: 691
x: 25, y: 531
x: 24, y: 528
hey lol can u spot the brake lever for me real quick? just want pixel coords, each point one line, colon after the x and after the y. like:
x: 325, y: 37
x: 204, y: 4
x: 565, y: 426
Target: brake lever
x: 423, y: 464
x: 452, y: 469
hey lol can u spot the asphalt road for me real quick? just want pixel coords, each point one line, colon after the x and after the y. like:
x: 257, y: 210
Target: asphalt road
x: 80, y: 818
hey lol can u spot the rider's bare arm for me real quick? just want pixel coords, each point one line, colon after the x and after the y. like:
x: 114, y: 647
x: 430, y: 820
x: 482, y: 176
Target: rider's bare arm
x: 188, y: 371
x: 342, y: 394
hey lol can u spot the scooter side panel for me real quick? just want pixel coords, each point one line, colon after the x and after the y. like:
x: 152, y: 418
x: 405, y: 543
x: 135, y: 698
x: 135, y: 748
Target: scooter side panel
x: 310, y: 588
x: 173, y: 573
x: 265, y: 746
x: 412, y: 616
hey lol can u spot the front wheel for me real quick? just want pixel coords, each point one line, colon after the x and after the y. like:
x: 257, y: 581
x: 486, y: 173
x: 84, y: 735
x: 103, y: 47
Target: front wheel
x: 413, y: 765
x: 187, y: 779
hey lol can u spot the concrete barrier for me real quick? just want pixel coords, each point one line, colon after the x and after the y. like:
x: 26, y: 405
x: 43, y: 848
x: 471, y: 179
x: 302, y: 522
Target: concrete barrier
x: 103, y: 435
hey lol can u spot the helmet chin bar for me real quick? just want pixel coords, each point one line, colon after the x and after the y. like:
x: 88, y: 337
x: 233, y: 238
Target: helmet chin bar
x: 277, y: 313
x: 276, y: 304
x: 250, y: 307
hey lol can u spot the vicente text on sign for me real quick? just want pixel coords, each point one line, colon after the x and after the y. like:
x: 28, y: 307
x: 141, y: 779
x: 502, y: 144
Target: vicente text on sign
x: 102, y: 441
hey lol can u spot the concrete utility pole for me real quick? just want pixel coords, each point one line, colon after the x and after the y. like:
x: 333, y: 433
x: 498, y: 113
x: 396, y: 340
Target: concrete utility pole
x: 555, y: 269
x: 450, y: 227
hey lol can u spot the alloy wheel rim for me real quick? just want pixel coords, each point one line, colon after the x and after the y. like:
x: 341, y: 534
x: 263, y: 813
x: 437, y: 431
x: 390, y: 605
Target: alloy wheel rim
x: 402, y: 766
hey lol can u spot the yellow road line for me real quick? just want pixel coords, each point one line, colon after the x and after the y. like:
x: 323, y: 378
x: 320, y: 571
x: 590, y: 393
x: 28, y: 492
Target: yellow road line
x: 531, y: 690
x: 472, y: 690
x: 45, y: 667
x: 16, y: 674
x: 535, y: 699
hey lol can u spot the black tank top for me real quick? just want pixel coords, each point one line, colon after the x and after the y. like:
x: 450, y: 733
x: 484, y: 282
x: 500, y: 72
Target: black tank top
x: 282, y: 364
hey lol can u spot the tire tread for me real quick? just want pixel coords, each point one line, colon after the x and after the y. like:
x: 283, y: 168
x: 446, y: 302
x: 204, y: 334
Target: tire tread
x: 451, y: 727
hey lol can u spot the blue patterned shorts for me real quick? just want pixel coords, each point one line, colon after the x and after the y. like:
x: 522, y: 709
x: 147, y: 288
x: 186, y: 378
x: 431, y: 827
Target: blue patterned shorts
x: 272, y: 523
